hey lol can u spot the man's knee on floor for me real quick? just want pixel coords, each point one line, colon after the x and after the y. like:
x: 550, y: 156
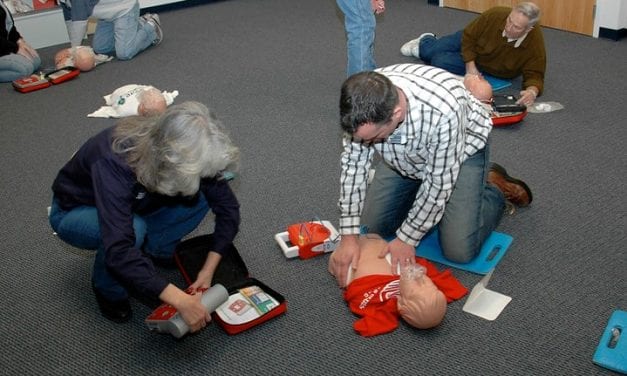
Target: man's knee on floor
x: 458, y: 250
x: 124, y: 56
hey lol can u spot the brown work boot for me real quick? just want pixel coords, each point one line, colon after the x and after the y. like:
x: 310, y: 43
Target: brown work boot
x: 514, y: 190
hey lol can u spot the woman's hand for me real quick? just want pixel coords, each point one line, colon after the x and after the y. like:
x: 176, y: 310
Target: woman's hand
x: 205, y: 275
x: 26, y: 50
x: 189, y: 306
x: 203, y: 281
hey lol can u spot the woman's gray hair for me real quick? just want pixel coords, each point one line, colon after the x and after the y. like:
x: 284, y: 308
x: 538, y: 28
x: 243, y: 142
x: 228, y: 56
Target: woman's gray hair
x: 531, y: 10
x: 171, y: 152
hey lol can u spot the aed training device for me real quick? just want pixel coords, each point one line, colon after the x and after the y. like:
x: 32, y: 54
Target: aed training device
x: 249, y: 301
x: 506, y: 104
x: 308, y: 239
x: 44, y: 80
x: 166, y: 319
x: 506, y: 111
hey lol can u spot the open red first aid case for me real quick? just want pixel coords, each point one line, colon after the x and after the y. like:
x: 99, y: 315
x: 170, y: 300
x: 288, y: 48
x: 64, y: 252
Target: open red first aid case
x: 41, y: 81
x: 250, y: 302
x: 506, y: 111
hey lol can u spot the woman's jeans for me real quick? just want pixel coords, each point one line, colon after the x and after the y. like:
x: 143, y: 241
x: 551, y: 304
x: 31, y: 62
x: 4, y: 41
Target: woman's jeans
x: 14, y: 66
x: 127, y: 35
x: 472, y: 212
x: 360, y: 24
x: 157, y: 234
x: 445, y: 52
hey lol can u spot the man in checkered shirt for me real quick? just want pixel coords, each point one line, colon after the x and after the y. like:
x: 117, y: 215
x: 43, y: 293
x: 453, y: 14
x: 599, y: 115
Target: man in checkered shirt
x: 432, y: 138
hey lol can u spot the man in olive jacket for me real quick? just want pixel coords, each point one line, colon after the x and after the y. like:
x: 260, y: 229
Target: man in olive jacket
x: 502, y: 42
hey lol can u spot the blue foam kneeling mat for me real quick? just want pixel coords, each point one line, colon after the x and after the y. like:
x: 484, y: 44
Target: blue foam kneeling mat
x: 492, y: 251
x: 612, y: 350
x: 497, y: 83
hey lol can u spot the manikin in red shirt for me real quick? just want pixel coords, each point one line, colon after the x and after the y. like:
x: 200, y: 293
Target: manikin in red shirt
x: 419, y: 294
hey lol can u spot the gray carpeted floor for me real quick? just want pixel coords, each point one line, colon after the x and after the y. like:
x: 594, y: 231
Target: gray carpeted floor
x: 272, y: 70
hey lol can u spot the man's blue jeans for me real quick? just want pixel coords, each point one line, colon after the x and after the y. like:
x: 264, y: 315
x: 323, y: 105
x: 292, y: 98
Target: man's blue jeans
x: 14, y: 66
x: 472, y: 212
x: 443, y: 52
x: 156, y: 234
x: 127, y: 35
x: 360, y: 24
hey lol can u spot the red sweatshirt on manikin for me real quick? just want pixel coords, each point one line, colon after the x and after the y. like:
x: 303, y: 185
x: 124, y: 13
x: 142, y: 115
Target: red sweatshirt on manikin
x: 373, y: 298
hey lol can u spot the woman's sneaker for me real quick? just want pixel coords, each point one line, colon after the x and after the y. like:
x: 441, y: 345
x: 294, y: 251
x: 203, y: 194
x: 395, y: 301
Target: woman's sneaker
x: 154, y: 20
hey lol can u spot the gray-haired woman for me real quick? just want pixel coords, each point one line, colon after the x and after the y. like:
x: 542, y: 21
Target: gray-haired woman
x: 134, y: 190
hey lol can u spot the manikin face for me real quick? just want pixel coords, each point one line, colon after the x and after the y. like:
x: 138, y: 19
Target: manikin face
x: 84, y: 59
x: 420, y: 303
x: 421, y: 285
x: 479, y: 87
x: 516, y: 25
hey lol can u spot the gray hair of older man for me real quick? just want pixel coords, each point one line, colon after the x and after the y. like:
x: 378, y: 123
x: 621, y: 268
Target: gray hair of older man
x: 530, y: 10
x: 171, y: 152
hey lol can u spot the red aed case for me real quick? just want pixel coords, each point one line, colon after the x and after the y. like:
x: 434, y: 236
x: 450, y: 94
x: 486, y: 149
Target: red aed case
x: 506, y: 111
x: 41, y: 81
x: 31, y: 83
x: 308, y: 239
x: 250, y: 302
x: 503, y: 120
x: 307, y: 236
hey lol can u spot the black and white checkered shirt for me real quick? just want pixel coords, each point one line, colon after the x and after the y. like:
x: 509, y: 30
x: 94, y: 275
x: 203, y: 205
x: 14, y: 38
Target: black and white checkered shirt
x: 443, y: 126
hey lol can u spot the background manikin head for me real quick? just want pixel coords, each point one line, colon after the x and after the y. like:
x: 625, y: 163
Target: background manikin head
x: 84, y: 59
x: 63, y: 58
x: 420, y: 303
x: 478, y: 86
x: 151, y: 102
x: 81, y: 57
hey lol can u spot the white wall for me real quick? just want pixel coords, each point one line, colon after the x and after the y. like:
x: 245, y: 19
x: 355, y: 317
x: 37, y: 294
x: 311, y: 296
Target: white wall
x: 610, y: 14
x: 42, y: 29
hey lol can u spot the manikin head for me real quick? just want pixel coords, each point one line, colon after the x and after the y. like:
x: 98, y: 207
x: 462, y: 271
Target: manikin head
x: 81, y: 57
x: 420, y: 303
x: 479, y: 87
x: 521, y: 20
x: 84, y: 58
x: 151, y: 102
x: 63, y: 58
